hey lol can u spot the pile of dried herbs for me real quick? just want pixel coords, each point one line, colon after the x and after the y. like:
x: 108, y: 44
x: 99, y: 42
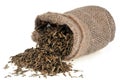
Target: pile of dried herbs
x: 55, y: 43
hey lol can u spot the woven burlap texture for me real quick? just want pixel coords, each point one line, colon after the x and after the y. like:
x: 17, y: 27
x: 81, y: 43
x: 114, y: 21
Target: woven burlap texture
x: 93, y: 28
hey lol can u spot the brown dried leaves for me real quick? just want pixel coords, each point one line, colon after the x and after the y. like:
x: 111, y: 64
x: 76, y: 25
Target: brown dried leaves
x: 54, y: 44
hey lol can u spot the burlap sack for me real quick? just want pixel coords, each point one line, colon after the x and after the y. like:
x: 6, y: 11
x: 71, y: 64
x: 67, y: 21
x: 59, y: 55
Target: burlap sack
x: 92, y: 26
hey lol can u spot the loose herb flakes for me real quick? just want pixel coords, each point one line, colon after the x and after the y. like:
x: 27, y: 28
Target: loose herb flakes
x: 55, y: 43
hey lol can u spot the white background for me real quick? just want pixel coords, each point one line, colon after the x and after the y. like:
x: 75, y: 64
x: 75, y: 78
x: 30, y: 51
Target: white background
x: 17, y: 22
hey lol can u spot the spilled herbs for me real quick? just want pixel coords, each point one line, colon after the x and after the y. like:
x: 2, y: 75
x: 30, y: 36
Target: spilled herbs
x: 55, y: 43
